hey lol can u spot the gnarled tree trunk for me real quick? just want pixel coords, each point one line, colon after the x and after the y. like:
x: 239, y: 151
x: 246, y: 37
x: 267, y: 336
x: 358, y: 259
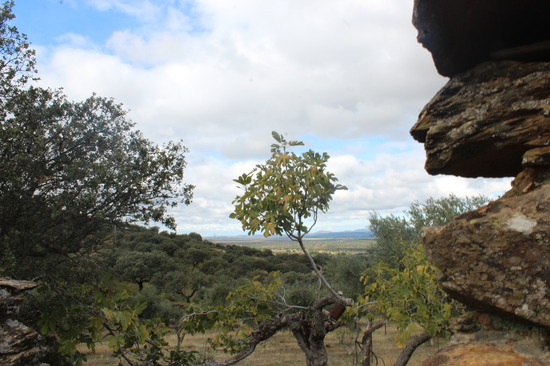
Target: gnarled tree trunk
x: 310, y: 334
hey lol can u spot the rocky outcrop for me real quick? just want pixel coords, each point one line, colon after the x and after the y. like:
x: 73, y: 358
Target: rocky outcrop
x: 484, y: 120
x: 497, y: 258
x: 19, y: 344
x: 492, y: 119
x: 461, y: 34
x: 483, y: 339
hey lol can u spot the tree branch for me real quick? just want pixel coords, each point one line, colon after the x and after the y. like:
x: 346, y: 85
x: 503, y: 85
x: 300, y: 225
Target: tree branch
x: 409, y: 349
x: 343, y: 300
x: 266, y: 331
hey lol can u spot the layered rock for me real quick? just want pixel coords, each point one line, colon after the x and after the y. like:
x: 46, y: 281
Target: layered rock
x: 484, y: 120
x: 19, y: 344
x: 497, y: 258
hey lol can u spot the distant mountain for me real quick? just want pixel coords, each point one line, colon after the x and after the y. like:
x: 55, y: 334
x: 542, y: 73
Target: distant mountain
x: 325, y: 235
x: 354, y: 234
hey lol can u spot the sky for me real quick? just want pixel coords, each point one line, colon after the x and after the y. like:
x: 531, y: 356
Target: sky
x: 345, y: 77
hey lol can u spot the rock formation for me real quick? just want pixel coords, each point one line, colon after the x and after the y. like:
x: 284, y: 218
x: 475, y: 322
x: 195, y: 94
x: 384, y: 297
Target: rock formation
x: 461, y: 34
x: 19, y: 344
x: 492, y: 119
x: 483, y: 120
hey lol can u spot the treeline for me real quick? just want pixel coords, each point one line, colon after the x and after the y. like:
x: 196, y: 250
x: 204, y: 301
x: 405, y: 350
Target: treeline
x: 169, y: 269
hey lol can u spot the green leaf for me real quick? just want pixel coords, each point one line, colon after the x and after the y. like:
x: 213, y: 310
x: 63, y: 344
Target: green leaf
x: 278, y: 137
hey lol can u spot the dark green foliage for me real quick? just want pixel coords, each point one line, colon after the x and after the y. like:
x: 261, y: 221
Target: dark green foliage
x: 70, y: 170
x: 394, y: 235
x: 344, y: 271
x: 213, y: 265
x: 141, y: 267
x: 300, y: 289
x: 71, y: 173
x: 17, y: 59
x: 157, y: 306
x: 187, y: 270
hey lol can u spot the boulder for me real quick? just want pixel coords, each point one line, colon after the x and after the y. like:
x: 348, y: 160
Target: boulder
x: 497, y: 258
x: 483, y: 121
x: 461, y: 34
x: 19, y: 344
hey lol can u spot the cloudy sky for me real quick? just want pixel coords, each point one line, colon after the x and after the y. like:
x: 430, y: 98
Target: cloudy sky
x: 346, y: 77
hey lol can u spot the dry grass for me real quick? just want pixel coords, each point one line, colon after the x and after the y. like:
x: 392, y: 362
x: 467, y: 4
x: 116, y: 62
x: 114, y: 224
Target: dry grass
x: 282, y: 349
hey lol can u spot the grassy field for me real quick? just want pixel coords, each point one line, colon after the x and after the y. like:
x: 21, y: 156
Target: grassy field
x: 335, y: 245
x: 282, y: 349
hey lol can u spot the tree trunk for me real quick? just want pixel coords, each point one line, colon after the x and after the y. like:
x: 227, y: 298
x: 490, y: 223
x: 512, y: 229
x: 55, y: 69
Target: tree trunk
x: 311, y: 338
x: 409, y: 349
x: 366, y: 342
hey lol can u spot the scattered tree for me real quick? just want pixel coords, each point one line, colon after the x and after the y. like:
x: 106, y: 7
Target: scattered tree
x: 141, y: 267
x: 285, y: 196
x: 70, y: 171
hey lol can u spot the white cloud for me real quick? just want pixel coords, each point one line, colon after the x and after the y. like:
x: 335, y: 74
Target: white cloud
x: 144, y: 10
x: 221, y: 75
x: 76, y: 40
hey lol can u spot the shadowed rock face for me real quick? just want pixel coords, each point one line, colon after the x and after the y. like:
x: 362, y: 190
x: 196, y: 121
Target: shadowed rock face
x: 483, y: 121
x: 461, y: 34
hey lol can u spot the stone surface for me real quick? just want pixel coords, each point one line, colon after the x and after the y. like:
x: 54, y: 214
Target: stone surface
x: 9, y: 302
x: 483, y: 121
x: 482, y: 354
x: 16, y: 286
x: 463, y: 33
x: 481, y: 339
x: 539, y: 157
x: 19, y: 344
x: 497, y: 258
